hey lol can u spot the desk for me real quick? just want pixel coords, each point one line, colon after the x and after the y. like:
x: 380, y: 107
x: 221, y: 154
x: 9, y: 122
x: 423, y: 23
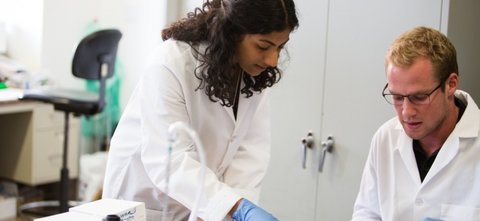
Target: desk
x: 31, y: 142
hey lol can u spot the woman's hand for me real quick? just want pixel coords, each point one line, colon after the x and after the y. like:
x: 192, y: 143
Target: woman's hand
x: 245, y: 210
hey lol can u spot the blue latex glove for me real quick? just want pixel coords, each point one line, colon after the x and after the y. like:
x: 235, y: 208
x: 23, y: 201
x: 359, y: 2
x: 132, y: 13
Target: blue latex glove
x: 247, y: 211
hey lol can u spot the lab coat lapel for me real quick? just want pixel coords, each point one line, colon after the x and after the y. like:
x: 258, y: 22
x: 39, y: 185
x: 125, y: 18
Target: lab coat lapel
x: 405, y: 149
x: 447, y: 153
x: 229, y: 110
x: 243, y: 104
x: 243, y: 107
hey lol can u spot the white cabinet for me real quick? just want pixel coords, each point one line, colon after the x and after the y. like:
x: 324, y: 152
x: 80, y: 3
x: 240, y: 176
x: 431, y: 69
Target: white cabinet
x: 31, y: 143
x: 332, y: 86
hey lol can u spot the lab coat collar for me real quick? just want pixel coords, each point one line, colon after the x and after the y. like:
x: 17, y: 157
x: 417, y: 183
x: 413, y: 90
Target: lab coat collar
x: 468, y: 126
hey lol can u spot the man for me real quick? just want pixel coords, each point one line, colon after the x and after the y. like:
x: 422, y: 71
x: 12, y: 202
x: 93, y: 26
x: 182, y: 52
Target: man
x: 424, y: 163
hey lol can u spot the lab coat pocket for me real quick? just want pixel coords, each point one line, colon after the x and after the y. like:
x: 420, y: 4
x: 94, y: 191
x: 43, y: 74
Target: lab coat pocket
x: 456, y: 212
x: 157, y: 215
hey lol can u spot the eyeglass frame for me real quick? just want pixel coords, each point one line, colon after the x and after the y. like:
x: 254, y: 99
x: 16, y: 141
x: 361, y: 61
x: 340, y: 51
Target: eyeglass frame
x: 409, y: 97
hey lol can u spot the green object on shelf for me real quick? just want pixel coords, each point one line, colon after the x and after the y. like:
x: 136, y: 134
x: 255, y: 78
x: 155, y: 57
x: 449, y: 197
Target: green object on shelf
x: 3, y: 85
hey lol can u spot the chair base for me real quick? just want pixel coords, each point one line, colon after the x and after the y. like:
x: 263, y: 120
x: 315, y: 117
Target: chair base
x: 42, y: 208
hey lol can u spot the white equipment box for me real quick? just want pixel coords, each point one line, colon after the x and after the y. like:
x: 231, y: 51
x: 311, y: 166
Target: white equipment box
x: 98, y: 210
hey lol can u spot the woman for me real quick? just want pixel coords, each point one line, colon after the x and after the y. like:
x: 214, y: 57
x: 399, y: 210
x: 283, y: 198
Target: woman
x: 211, y: 72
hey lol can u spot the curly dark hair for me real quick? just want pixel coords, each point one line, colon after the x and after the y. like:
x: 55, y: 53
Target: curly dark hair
x: 220, y: 24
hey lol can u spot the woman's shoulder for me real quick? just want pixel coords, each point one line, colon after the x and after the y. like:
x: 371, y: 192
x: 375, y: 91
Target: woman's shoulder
x: 175, y: 44
x: 174, y: 57
x: 174, y: 49
x: 172, y: 53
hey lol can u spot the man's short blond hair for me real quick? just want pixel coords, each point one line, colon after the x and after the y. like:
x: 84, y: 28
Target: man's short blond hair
x: 424, y: 42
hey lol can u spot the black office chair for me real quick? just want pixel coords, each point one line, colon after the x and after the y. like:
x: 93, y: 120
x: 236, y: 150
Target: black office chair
x: 94, y: 59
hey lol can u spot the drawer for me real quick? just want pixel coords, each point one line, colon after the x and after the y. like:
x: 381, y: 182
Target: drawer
x: 45, y: 116
x: 48, y: 154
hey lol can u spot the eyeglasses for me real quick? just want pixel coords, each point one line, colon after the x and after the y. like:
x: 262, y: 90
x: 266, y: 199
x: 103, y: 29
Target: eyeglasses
x: 397, y: 99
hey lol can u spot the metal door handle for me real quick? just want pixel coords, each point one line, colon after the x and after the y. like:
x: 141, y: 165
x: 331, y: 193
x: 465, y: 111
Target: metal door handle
x: 327, y: 147
x: 307, y: 143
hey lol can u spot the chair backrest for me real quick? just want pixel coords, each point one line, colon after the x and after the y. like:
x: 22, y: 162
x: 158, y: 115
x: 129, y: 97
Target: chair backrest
x: 95, y: 52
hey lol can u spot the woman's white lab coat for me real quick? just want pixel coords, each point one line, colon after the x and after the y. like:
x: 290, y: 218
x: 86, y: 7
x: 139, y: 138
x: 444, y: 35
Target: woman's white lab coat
x: 391, y: 188
x: 237, y: 151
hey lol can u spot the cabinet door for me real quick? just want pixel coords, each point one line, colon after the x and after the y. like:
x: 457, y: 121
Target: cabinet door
x: 359, y: 33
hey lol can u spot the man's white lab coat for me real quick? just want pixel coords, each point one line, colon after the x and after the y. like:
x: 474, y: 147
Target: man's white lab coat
x: 237, y: 151
x: 391, y: 189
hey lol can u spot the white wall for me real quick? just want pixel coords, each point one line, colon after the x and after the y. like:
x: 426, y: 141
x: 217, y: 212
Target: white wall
x: 142, y: 22
x: 45, y: 34
x: 23, y: 24
x: 64, y: 24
